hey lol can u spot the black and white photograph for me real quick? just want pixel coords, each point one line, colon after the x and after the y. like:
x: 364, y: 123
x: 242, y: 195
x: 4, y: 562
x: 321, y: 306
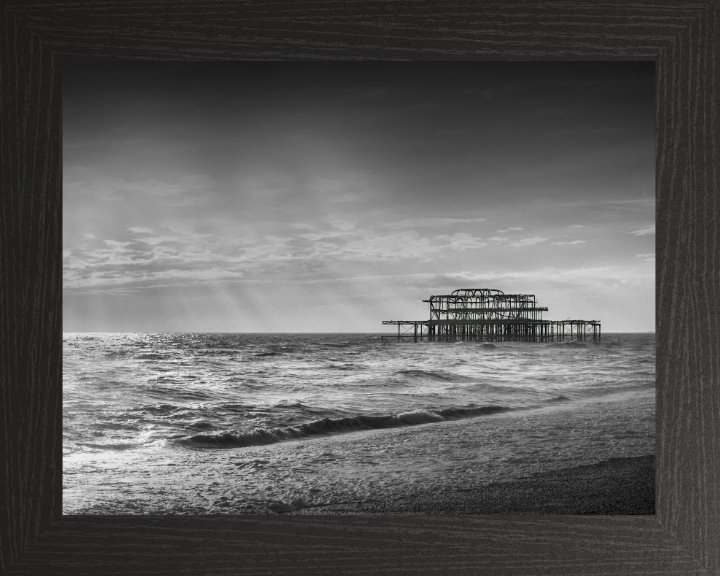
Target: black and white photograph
x: 334, y: 288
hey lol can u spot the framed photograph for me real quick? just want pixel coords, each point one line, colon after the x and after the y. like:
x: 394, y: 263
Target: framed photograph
x: 234, y: 234
x: 298, y: 316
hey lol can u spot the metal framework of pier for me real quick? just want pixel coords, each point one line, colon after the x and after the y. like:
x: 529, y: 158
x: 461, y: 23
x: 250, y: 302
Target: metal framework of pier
x: 491, y: 315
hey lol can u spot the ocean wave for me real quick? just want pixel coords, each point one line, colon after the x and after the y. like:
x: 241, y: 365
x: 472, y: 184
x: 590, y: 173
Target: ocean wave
x: 333, y: 365
x: 232, y: 352
x: 122, y: 425
x: 200, y: 425
x: 263, y: 436
x: 157, y: 408
x: 114, y: 447
x: 153, y: 356
x: 118, y: 353
x: 431, y: 375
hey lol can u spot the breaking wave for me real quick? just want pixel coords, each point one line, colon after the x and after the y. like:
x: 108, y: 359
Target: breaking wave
x: 262, y: 436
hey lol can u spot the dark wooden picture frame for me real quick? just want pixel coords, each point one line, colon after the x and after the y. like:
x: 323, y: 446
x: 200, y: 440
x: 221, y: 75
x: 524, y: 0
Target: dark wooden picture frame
x: 683, y: 38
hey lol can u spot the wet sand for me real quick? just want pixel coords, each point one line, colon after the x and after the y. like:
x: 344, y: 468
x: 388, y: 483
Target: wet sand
x: 620, y: 486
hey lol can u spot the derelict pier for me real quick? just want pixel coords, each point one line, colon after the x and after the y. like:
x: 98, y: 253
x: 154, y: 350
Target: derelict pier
x: 491, y: 315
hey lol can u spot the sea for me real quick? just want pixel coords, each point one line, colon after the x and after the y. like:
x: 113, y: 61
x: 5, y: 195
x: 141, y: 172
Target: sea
x: 199, y: 423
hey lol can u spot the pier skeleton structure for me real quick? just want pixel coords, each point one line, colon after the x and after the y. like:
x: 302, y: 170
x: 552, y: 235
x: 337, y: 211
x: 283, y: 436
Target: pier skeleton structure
x: 486, y: 314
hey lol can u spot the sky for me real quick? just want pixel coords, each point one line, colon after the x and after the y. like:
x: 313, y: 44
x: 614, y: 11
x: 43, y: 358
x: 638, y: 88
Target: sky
x: 327, y: 197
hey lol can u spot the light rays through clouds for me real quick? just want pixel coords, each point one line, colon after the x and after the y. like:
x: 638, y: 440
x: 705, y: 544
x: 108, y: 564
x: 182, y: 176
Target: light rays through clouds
x: 323, y: 197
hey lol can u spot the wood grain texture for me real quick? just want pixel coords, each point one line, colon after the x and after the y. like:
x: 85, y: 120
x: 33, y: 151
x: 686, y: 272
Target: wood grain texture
x: 683, y: 38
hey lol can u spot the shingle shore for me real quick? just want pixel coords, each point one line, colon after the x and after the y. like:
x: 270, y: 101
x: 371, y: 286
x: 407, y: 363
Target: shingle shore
x: 617, y: 486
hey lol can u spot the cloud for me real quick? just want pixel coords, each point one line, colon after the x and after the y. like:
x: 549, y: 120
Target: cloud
x: 153, y: 240
x: 581, y: 275
x: 302, y: 226
x: 367, y: 247
x: 461, y: 241
x: 650, y: 257
x: 509, y: 229
x: 343, y: 225
x: 431, y: 222
x: 568, y: 243
x: 529, y: 241
x: 644, y: 231
x: 178, y: 254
